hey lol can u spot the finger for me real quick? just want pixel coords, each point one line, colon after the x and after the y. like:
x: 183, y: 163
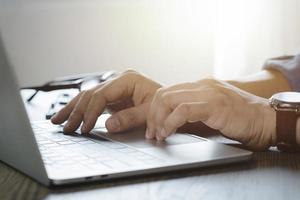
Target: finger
x: 186, y: 112
x: 156, y: 116
x: 65, y: 112
x: 76, y: 115
x: 151, y: 127
x: 150, y: 131
x: 113, y: 91
x: 127, y: 119
x: 171, y: 100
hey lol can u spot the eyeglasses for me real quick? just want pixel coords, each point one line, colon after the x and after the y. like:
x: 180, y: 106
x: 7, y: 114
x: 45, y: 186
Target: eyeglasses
x: 80, y: 82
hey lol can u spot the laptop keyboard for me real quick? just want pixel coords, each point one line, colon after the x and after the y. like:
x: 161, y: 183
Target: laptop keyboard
x: 75, y: 151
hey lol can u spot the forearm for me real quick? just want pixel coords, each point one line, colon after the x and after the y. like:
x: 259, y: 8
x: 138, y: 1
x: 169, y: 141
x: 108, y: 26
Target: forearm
x: 263, y: 84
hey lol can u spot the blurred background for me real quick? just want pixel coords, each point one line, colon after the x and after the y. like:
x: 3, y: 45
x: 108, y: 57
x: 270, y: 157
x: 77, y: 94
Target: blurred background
x: 169, y: 40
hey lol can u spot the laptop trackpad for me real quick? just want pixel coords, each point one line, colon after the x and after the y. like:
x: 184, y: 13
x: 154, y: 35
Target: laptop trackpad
x: 136, y: 138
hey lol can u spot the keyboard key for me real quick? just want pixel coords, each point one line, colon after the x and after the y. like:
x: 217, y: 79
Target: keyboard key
x: 136, y: 154
x: 90, y: 162
x: 78, y: 139
x: 59, y: 150
x: 68, y: 142
x: 51, y: 145
x: 79, y: 158
x: 131, y: 161
x: 103, y: 158
x: 127, y: 150
x: 45, y: 142
x: 86, y: 142
x: 94, y: 154
x: 114, y: 145
x: 58, y: 139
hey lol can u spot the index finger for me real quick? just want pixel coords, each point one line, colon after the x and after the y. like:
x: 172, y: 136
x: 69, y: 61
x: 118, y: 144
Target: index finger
x: 113, y: 91
x: 65, y: 112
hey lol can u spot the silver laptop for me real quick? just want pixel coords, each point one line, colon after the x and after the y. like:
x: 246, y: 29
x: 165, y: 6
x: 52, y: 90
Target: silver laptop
x: 41, y: 150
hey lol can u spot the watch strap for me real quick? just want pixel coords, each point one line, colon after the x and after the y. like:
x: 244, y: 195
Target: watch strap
x: 286, y: 122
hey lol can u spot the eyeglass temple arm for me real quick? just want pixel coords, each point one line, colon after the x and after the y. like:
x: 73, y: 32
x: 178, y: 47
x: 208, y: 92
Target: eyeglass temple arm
x: 48, y: 88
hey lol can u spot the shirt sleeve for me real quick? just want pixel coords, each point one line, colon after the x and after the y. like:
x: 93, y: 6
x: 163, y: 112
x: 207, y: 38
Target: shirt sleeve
x: 289, y: 66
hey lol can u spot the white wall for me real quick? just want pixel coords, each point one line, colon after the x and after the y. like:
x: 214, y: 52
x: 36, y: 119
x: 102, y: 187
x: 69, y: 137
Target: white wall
x: 250, y: 31
x: 171, y: 40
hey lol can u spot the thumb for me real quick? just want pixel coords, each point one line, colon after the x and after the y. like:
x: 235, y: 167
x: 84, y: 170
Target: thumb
x: 127, y: 118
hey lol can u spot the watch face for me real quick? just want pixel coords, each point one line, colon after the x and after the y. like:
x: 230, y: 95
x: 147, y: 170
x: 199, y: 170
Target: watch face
x: 287, y: 97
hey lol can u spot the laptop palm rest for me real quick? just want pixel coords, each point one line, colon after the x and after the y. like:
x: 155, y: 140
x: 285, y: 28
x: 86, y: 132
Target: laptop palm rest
x: 136, y: 138
x: 178, y: 147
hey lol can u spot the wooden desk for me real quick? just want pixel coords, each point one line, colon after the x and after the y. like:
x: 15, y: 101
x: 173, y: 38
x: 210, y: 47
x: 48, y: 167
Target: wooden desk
x: 270, y: 175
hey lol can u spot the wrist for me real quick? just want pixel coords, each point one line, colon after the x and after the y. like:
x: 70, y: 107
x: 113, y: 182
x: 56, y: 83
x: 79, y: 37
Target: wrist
x: 269, y: 123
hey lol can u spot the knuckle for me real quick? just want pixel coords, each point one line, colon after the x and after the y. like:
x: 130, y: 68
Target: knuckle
x: 130, y: 75
x: 210, y: 81
x: 189, y: 85
x: 166, y: 98
x: 160, y: 92
x: 129, y: 71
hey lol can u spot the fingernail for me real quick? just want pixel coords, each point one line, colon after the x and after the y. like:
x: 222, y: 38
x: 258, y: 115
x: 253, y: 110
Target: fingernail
x: 67, y: 127
x: 113, y: 124
x: 158, y: 134
x: 84, y: 128
x: 159, y: 138
x: 54, y: 117
x: 163, y: 132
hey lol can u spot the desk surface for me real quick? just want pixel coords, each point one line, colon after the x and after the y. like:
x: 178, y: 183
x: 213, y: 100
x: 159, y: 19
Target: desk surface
x: 270, y: 175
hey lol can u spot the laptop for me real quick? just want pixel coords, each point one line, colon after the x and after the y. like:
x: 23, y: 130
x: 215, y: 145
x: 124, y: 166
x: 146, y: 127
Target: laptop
x: 43, y: 152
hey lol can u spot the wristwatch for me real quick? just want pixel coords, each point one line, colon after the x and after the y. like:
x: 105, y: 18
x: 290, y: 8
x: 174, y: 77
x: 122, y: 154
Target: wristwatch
x: 287, y: 107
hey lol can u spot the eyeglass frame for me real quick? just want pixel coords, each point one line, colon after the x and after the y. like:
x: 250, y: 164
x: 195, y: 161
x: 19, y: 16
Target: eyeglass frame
x: 70, y: 82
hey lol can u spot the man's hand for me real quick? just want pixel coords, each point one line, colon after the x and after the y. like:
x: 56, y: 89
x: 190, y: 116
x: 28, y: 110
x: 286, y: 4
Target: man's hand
x: 235, y: 113
x: 135, y: 100
x: 128, y: 97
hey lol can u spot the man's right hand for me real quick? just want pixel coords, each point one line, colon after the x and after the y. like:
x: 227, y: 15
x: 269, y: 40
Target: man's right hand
x: 127, y: 97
